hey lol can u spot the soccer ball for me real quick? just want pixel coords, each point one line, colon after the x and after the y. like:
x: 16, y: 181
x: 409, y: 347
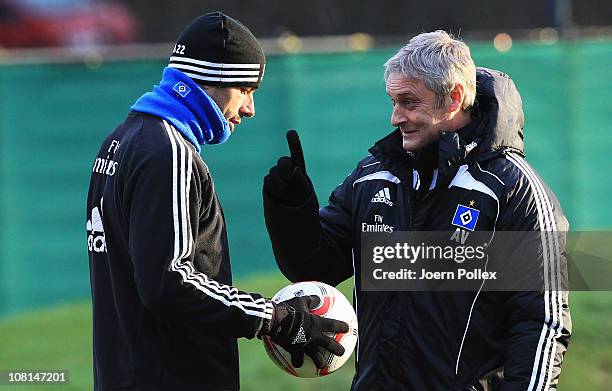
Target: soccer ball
x: 333, y: 305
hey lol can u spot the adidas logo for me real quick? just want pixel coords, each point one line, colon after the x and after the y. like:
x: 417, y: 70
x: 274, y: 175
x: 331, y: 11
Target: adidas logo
x: 383, y: 196
x: 300, y: 337
x: 95, y: 240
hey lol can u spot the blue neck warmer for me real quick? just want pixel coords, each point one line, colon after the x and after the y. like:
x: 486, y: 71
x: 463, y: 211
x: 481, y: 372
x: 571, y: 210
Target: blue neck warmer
x: 182, y: 102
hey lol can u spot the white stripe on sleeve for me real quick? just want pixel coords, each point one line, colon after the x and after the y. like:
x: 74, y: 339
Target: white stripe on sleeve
x: 182, y: 160
x: 553, y: 319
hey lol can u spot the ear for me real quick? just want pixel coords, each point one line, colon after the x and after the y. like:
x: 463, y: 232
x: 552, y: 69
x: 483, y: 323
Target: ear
x: 456, y: 98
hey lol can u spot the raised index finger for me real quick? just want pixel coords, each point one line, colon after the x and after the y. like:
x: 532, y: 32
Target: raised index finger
x: 295, y: 148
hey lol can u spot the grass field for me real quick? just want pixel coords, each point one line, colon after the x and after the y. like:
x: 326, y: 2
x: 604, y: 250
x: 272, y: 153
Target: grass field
x: 61, y: 338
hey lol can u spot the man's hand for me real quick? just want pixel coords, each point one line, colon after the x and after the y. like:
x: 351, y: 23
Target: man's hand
x: 298, y: 331
x: 287, y: 181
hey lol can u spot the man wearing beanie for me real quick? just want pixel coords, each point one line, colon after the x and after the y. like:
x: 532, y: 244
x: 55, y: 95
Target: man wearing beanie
x: 165, y: 316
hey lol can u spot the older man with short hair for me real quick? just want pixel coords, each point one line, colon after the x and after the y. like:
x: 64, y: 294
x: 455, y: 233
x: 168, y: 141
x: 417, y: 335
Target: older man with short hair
x: 457, y: 146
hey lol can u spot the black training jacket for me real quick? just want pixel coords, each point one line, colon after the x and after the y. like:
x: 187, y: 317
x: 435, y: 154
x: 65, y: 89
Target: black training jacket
x: 165, y: 316
x: 469, y: 340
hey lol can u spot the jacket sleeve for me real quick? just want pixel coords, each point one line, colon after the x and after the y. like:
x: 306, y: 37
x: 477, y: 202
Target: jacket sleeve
x: 539, y: 323
x: 168, y: 205
x: 311, y: 243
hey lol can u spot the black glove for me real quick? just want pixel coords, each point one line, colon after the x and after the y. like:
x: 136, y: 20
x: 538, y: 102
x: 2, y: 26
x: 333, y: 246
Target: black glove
x: 287, y: 181
x: 298, y: 331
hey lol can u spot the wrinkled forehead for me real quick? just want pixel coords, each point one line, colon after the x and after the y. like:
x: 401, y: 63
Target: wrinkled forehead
x: 398, y: 84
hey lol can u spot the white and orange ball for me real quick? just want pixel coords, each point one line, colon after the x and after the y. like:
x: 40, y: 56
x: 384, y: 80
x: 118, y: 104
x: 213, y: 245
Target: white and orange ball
x: 332, y: 305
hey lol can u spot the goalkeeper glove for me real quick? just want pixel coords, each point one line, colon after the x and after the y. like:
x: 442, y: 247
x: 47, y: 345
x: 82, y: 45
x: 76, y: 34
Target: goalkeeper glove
x: 298, y: 331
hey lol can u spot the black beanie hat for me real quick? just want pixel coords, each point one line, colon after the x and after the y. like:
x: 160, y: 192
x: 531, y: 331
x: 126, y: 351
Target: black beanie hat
x: 218, y: 50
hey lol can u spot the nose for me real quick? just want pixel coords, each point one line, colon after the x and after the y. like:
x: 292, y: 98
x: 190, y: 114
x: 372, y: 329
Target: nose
x: 397, y: 116
x: 248, y: 106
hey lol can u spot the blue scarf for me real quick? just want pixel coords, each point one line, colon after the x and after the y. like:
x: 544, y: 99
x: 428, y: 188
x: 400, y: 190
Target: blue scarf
x: 182, y: 102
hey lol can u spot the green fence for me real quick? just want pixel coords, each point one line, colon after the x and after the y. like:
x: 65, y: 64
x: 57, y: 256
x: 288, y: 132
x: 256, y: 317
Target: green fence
x: 53, y: 117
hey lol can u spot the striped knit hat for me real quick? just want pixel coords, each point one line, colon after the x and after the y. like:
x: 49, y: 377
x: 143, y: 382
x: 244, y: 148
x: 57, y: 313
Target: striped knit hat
x: 218, y: 50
